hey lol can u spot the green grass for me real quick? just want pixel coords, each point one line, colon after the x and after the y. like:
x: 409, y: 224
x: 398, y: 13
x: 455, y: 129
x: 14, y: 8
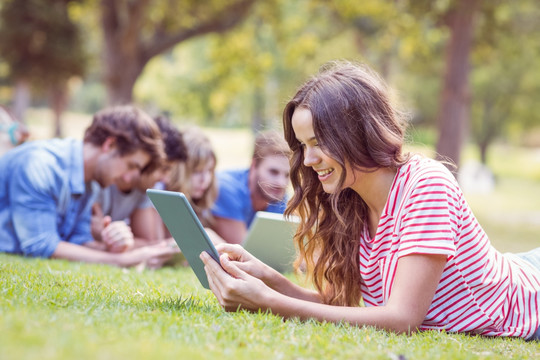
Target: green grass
x: 511, y: 214
x: 52, y: 309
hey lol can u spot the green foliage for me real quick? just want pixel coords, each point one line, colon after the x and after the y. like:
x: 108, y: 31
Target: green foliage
x: 137, y: 31
x: 506, y: 78
x: 59, y: 310
x: 249, y: 72
x: 246, y: 75
x: 40, y: 42
x: 89, y: 97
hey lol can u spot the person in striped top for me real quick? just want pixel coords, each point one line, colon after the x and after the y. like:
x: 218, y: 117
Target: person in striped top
x: 378, y: 226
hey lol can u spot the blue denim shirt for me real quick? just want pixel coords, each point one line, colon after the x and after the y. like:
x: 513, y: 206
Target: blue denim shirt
x: 43, y: 197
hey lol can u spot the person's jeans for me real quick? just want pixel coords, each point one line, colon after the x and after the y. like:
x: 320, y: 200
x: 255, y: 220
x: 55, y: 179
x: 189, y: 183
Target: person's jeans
x: 533, y: 257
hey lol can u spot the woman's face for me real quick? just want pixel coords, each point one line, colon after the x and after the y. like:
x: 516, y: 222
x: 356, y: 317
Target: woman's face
x: 201, y: 179
x: 328, y: 170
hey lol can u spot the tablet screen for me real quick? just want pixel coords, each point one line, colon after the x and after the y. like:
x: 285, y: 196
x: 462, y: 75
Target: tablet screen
x: 185, y: 228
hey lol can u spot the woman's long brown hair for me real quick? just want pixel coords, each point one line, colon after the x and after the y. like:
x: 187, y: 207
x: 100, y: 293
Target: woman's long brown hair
x: 354, y: 123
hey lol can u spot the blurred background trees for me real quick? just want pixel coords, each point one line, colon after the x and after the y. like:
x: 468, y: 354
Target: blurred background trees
x: 136, y: 31
x: 466, y: 70
x: 43, y: 49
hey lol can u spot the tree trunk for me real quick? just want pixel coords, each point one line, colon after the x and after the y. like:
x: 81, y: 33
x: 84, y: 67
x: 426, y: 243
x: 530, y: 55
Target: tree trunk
x: 488, y: 129
x: 453, y: 118
x: 121, y: 73
x: 121, y: 51
x: 21, y: 99
x: 58, y: 95
x: 127, y: 51
x: 257, y: 122
x: 483, y: 147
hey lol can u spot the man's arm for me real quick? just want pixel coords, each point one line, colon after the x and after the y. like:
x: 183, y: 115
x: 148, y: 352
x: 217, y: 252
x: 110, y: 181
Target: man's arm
x: 146, y: 226
x: 90, y: 253
x: 33, y: 188
x: 155, y: 255
x: 232, y: 231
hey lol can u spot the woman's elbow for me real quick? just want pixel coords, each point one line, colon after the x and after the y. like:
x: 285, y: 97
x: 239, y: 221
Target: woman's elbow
x: 406, y: 323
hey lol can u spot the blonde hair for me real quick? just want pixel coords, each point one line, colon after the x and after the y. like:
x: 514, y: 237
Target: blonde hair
x: 199, y: 153
x: 269, y: 143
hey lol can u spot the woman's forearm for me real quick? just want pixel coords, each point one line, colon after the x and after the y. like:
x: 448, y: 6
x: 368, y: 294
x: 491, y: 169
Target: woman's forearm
x: 381, y: 317
x: 281, y: 284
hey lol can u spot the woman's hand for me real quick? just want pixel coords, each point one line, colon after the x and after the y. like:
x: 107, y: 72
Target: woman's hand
x: 233, y: 287
x: 248, y: 263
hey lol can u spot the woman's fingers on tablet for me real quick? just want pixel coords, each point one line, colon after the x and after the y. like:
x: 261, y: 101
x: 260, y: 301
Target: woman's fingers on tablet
x: 235, y: 251
x: 232, y: 268
x: 223, y: 284
x: 216, y: 278
x: 212, y: 268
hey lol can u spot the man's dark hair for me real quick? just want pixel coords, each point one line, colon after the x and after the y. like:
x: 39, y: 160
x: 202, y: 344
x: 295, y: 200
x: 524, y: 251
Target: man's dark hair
x: 132, y: 130
x: 175, y: 148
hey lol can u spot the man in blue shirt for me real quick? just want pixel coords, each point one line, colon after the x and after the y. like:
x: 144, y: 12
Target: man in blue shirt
x: 46, y: 188
x: 262, y: 187
x: 125, y: 203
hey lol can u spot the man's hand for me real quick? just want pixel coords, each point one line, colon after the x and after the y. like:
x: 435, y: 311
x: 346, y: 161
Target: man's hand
x: 98, y: 222
x: 151, y: 257
x: 117, y: 237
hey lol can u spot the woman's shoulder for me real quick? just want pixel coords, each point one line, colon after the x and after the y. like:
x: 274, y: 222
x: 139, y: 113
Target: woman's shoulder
x: 422, y: 166
x: 421, y: 172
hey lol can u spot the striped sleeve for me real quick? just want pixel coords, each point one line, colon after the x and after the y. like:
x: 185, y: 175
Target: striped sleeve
x: 429, y: 214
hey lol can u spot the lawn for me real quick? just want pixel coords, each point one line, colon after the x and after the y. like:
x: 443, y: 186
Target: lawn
x: 60, y: 310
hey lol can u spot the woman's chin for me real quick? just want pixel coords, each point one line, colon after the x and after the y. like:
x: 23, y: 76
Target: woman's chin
x: 197, y: 195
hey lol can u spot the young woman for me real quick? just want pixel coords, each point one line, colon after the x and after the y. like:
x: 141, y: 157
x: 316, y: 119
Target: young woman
x: 197, y: 177
x: 378, y: 225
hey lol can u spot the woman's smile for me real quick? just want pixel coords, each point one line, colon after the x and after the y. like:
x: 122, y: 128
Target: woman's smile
x: 325, y: 174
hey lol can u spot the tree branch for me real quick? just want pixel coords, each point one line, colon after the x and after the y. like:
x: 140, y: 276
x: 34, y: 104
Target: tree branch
x: 222, y: 21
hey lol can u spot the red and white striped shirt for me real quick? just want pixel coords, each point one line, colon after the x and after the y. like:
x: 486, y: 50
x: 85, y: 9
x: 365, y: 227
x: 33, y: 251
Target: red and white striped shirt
x: 481, y: 290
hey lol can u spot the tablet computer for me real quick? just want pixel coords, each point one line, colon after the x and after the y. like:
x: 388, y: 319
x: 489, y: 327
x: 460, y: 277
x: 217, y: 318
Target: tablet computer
x: 185, y: 228
x: 270, y: 239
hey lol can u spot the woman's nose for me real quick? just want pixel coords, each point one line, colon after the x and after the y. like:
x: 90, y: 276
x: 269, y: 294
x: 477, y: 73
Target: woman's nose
x: 310, y: 157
